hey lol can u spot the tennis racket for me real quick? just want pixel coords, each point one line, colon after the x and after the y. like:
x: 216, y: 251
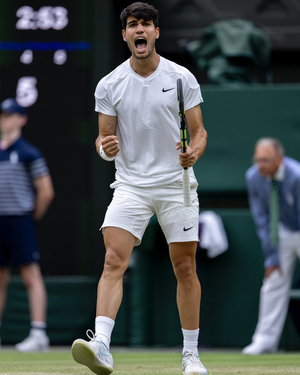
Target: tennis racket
x: 185, y: 170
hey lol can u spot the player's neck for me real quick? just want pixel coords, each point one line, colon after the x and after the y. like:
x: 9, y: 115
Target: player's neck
x: 145, y: 67
x: 9, y: 138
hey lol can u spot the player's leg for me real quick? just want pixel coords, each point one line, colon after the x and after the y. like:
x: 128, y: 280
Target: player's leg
x: 180, y: 226
x: 95, y: 354
x: 25, y: 256
x: 188, y: 287
x: 124, y: 225
x: 4, y: 280
x: 188, y: 301
x: 37, y: 297
x: 119, y: 244
x: 4, y: 261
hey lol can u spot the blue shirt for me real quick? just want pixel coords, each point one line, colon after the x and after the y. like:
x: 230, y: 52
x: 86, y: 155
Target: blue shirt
x: 20, y: 164
x: 289, y: 202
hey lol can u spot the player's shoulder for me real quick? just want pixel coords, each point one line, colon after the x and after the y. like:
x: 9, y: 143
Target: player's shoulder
x: 292, y: 166
x: 170, y: 67
x: 118, y: 74
x: 27, y: 150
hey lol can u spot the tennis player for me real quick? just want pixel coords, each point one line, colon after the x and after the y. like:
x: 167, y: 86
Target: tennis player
x: 139, y: 130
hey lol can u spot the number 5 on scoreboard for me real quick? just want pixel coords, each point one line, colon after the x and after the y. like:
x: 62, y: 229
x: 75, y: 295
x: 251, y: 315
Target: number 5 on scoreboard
x: 183, y: 132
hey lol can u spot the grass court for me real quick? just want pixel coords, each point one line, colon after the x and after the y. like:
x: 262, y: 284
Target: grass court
x: 149, y: 362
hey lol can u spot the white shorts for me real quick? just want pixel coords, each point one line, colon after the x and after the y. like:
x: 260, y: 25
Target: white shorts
x: 132, y: 207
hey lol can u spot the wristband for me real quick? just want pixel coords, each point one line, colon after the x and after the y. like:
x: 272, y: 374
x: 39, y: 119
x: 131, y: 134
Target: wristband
x: 104, y: 156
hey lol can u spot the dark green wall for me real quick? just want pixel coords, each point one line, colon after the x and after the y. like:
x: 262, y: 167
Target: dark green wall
x: 234, y: 120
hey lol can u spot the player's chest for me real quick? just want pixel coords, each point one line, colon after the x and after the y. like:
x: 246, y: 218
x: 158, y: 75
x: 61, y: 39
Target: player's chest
x: 152, y: 95
x: 12, y: 157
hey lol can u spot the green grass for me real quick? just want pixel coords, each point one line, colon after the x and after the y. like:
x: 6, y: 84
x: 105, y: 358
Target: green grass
x: 130, y: 362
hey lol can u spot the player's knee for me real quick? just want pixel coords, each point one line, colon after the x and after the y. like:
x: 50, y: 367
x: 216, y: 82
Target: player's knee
x: 28, y: 280
x: 184, y: 272
x: 114, y: 263
x: 31, y: 275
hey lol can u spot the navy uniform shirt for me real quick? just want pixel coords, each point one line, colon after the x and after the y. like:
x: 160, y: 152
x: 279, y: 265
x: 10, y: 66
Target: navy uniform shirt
x: 20, y: 164
x: 289, y: 203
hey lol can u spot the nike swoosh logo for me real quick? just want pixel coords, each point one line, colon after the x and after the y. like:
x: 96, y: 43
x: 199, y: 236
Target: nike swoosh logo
x: 104, y: 355
x: 185, y: 229
x: 164, y: 90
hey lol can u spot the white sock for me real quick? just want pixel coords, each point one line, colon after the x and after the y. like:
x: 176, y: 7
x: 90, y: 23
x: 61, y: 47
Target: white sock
x: 104, y: 328
x: 190, y: 340
x: 38, y: 328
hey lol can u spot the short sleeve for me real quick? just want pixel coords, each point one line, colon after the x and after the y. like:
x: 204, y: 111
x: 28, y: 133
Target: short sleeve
x: 103, y: 103
x: 38, y: 168
x: 37, y: 165
x: 191, y: 91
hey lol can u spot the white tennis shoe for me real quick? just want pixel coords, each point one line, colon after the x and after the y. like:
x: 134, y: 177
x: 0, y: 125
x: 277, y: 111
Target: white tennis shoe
x: 93, y: 354
x: 191, y: 364
x: 34, y: 343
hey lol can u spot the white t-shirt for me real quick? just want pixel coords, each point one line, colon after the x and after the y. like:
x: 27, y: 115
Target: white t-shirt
x: 147, y: 120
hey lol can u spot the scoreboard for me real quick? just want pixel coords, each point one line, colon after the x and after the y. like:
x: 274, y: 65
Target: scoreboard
x: 43, y: 45
x: 46, y: 58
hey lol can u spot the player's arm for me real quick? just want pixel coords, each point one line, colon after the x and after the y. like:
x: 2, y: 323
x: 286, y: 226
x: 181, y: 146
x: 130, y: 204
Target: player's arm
x: 107, y: 135
x: 198, y: 137
x: 44, y: 195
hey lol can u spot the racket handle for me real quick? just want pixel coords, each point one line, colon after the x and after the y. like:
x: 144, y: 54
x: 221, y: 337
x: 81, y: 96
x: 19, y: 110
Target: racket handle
x: 186, y: 187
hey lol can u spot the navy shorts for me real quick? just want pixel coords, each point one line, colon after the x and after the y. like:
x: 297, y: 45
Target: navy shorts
x: 18, y: 244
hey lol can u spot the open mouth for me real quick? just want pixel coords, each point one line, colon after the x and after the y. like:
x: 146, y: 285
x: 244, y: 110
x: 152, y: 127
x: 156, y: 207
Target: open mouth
x: 141, y: 44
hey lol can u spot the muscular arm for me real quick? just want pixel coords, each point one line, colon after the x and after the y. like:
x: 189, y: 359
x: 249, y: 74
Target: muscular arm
x: 198, y: 137
x: 107, y: 135
x: 44, y: 195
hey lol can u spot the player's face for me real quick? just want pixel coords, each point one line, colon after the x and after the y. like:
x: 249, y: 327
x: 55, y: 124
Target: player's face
x: 140, y: 36
x: 267, y: 159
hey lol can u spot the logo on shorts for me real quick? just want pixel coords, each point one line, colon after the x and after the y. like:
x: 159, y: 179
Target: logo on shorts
x: 186, y: 229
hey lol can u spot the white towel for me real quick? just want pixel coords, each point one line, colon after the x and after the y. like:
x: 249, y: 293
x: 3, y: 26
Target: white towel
x: 213, y: 236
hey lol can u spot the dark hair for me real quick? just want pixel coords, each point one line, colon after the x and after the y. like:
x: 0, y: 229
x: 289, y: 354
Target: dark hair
x: 140, y: 11
x: 274, y: 142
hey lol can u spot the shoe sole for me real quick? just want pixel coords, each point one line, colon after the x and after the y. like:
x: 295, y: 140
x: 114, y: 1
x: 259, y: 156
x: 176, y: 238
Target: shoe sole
x: 84, y: 355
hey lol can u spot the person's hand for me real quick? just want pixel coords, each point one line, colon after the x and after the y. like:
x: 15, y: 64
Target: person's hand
x: 187, y: 159
x: 271, y: 269
x: 110, y: 145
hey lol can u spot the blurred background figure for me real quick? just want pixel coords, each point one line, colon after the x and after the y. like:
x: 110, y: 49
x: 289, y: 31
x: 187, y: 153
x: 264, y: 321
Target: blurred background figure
x: 25, y: 193
x: 273, y: 188
x: 229, y: 52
